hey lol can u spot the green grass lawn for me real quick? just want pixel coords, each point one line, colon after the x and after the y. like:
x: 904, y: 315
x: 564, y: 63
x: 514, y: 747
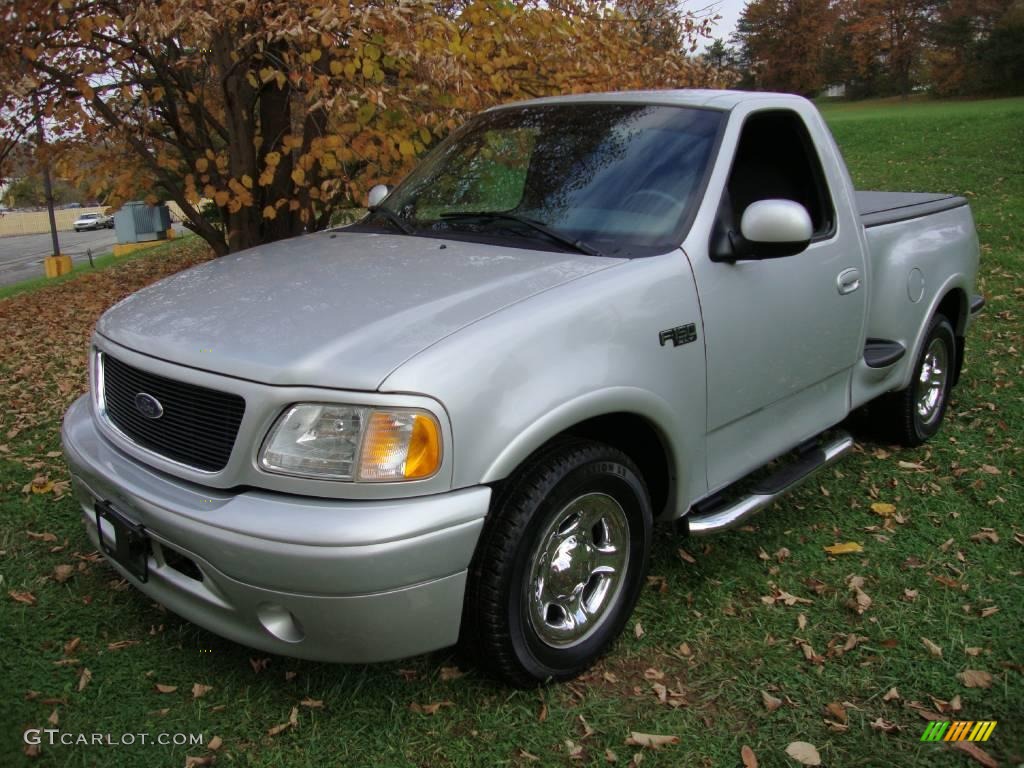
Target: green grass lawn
x: 947, y: 567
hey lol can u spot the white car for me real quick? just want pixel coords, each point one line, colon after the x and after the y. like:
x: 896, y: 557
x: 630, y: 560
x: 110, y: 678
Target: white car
x: 93, y: 221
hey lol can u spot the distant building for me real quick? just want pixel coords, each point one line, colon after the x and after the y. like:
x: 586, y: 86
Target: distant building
x: 836, y: 91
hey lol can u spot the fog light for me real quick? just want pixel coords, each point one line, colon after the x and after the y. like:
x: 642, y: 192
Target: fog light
x: 279, y: 622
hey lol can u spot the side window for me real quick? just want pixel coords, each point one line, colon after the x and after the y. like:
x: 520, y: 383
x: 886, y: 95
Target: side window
x: 776, y: 158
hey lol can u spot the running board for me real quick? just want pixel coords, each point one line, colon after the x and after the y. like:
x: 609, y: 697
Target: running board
x: 731, y: 513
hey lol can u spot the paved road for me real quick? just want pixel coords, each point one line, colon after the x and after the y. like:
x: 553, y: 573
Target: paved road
x: 21, y: 257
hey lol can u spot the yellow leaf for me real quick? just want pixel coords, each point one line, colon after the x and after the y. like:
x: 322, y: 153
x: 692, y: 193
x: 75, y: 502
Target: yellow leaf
x: 882, y: 508
x: 202, y: 164
x: 337, y: 67
x: 247, y: 181
x: 299, y: 176
x: 846, y: 548
x: 406, y: 148
x: 273, y: 158
x: 270, y: 212
x: 221, y: 197
x: 314, y: 55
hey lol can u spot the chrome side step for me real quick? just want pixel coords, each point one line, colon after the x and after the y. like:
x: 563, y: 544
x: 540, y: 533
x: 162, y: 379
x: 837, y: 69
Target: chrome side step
x: 729, y: 514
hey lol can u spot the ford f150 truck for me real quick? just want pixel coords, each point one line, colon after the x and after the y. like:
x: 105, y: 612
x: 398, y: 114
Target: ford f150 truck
x: 459, y: 418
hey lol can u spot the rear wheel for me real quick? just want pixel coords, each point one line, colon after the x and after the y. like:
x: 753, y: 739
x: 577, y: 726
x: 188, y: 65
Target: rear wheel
x: 915, y: 413
x: 559, y: 565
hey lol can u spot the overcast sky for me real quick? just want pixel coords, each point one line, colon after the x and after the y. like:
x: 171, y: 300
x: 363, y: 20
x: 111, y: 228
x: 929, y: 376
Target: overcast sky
x: 729, y: 10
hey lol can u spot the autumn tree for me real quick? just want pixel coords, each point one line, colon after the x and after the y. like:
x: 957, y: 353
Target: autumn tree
x: 783, y: 43
x: 282, y: 111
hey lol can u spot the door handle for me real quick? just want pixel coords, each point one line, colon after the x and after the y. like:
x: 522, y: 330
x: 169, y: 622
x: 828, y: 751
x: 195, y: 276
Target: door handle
x: 848, y: 281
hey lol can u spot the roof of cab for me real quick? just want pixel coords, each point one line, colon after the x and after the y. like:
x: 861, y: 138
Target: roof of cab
x: 690, y: 97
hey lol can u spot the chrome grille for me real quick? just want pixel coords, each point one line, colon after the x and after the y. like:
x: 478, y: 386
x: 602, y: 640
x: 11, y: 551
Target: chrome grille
x: 198, y: 426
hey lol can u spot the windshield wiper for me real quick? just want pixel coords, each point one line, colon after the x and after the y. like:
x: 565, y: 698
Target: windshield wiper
x: 393, y: 217
x: 544, y: 229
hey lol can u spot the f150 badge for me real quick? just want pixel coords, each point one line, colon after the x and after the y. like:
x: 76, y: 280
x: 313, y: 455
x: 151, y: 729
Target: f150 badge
x: 681, y: 334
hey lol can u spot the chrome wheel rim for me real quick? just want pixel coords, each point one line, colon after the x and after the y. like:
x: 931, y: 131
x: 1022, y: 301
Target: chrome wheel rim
x: 576, y: 573
x: 931, y: 380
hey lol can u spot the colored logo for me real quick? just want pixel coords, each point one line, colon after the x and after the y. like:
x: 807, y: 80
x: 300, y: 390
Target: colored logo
x: 148, y: 406
x: 959, y: 730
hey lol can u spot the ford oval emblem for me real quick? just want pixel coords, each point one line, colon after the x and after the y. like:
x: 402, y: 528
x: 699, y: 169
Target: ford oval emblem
x: 148, y: 406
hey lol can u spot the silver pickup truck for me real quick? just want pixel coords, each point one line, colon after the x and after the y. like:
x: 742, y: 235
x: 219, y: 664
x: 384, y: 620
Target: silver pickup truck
x: 458, y: 419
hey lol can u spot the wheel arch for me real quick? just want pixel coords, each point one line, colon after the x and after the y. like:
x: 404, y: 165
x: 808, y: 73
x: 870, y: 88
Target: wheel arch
x: 950, y: 300
x: 632, y: 420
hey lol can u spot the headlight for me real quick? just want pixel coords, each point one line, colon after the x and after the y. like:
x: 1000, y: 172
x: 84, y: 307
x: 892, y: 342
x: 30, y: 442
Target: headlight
x: 344, y: 442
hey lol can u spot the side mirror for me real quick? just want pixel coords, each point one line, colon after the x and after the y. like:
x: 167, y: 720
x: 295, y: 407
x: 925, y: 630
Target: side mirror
x: 377, y: 195
x: 775, y: 228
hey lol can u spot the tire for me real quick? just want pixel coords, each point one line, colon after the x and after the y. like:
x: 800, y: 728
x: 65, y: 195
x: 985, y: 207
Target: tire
x: 585, y: 505
x: 915, y: 414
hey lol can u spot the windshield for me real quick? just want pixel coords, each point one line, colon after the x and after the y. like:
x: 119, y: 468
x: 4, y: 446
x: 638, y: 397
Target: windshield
x: 614, y: 179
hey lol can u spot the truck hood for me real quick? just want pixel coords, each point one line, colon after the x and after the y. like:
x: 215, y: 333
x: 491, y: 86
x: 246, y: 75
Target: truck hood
x: 338, y: 310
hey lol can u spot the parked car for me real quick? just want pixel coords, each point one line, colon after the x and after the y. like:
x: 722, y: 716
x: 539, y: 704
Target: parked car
x: 460, y: 417
x: 93, y: 221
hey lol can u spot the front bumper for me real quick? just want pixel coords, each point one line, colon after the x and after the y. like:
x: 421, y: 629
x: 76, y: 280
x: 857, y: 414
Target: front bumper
x: 323, y: 579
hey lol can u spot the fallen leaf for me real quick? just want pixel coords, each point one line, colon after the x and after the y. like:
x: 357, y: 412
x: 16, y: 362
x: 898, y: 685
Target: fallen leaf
x: 685, y: 650
x: 804, y: 753
x: 54, y: 718
x: 610, y: 756
x: 846, y: 548
x: 199, y: 690
x: 121, y: 644
x: 976, y: 753
x: 166, y: 688
x: 933, y: 649
x: 293, y: 720
x: 23, y: 597
x: 587, y: 730
x: 575, y: 750
x: 215, y: 743
x: 652, y: 740
x: 686, y: 557
x: 988, y: 469
x: 910, y: 595
x: 451, y: 673
x: 885, y: 726
x: 312, y: 703
x: 861, y: 601
x: 771, y: 703
x: 543, y: 714
x: 986, y: 534
x: 891, y: 695
x: 638, y: 630
x: 801, y: 621
x: 748, y: 757
x: 288, y: 676
x: 975, y: 678
x: 528, y: 756
x: 837, y: 711
x: 41, y: 536
x: 654, y: 674
x: 986, y: 612
x: 883, y: 509
x: 258, y: 665
x: 430, y: 709
x: 84, y: 678
x: 72, y: 645
x: 972, y: 651
x: 194, y: 761
x: 41, y: 484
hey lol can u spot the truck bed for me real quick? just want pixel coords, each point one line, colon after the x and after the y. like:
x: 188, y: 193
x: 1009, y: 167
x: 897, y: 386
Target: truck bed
x: 878, y: 208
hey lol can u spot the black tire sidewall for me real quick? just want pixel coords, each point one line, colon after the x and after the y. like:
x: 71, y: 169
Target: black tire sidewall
x: 619, y: 481
x: 940, y: 328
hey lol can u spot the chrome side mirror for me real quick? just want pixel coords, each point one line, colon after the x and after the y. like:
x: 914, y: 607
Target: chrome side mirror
x: 776, y: 228
x: 377, y: 195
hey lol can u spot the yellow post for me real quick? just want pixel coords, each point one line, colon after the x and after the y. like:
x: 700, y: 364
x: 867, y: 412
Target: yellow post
x: 55, y: 266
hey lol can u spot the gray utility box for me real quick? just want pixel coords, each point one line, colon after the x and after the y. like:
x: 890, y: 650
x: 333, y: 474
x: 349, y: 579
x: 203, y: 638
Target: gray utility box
x: 137, y: 222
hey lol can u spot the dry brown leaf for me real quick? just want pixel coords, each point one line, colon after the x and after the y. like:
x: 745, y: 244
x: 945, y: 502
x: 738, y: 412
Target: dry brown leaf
x: 845, y: 548
x: 801, y: 621
x: 986, y: 534
x: 610, y: 756
x: 293, y: 720
x: 771, y: 703
x: 988, y: 469
x: 288, y: 676
x: 312, y: 703
x: 933, y: 649
x: 574, y: 750
x: 528, y: 756
x: 451, y: 673
x: 885, y: 726
x: 199, y: 690
x: 976, y: 753
x: 121, y: 644
x: 686, y: 557
x: 804, y: 753
x: 651, y: 740
x: 654, y: 674
x: 836, y: 710
x: 861, y: 601
x: 194, y: 761
x: 54, y: 718
x: 891, y: 695
x: 84, y: 678
x: 587, y: 730
x: 991, y: 610
x: 22, y: 597
x: 972, y: 650
x: 430, y: 709
x: 215, y: 743
x: 165, y: 688
x: 883, y: 509
x: 258, y: 665
x: 72, y: 645
x: 41, y: 536
x: 638, y: 630
x: 748, y: 757
x: 975, y: 678
x: 685, y: 650
x: 910, y: 595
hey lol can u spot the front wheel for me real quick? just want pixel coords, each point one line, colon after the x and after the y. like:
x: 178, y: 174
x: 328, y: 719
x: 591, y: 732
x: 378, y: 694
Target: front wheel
x: 560, y: 564
x: 916, y: 412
